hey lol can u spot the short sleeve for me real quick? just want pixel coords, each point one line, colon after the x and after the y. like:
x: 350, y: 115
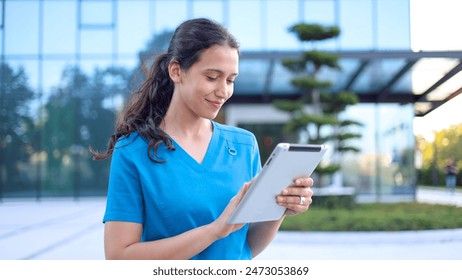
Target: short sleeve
x: 124, y: 200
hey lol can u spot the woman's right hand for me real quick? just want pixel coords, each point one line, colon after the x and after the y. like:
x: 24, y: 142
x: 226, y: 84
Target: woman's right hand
x: 220, y: 226
x: 122, y: 239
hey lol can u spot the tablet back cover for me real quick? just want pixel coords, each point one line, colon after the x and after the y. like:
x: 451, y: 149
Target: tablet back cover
x: 287, y: 162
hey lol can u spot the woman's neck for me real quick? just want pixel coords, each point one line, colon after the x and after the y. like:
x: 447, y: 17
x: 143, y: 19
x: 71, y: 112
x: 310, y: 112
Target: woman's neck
x: 179, y: 125
x: 193, y: 134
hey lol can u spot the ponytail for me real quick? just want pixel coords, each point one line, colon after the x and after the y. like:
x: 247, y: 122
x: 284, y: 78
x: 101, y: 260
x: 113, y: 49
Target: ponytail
x: 145, y: 111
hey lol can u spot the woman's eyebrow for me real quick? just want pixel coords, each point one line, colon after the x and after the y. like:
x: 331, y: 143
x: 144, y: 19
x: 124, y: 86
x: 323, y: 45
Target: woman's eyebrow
x: 219, y: 71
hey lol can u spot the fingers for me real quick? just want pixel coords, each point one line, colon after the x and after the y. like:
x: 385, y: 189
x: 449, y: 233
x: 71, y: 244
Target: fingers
x: 297, y: 197
x: 304, y: 182
x: 221, y: 226
x: 238, y: 197
x: 293, y: 196
x: 301, y: 187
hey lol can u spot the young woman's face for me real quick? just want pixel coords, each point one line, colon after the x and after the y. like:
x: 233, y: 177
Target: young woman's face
x: 209, y: 82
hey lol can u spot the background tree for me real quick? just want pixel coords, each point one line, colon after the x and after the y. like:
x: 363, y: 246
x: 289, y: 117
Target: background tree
x: 447, y: 143
x: 158, y: 43
x: 16, y: 128
x: 46, y: 151
x: 79, y: 113
x: 319, y: 122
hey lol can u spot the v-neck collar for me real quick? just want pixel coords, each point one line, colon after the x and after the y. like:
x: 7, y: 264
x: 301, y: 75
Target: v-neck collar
x: 208, y: 160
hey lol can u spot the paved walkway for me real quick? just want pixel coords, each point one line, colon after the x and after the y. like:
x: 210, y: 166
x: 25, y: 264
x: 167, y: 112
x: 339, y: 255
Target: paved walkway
x: 439, y: 196
x: 62, y: 229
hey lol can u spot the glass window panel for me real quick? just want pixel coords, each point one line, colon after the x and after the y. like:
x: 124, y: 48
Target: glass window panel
x: 128, y: 63
x: 133, y: 26
x: 57, y: 147
x: 320, y: 12
x: 115, y: 102
x: 396, y: 144
x: 348, y: 67
x: 30, y: 68
x: 1, y: 17
x: 369, y: 78
x: 18, y: 131
x: 390, y: 67
x: 252, y: 76
x: 96, y: 12
x: 404, y: 84
x: 21, y: 27
x: 393, y: 24
x: 96, y: 41
x: 245, y: 23
x: 88, y: 66
x: 281, y: 15
x: 281, y: 81
x: 208, y: 9
x: 358, y: 169
x: 169, y: 14
x: 1, y: 28
x: 426, y: 72
x: 53, y: 73
x: 391, y: 153
x: 356, y: 24
x: 59, y: 27
x: 377, y: 74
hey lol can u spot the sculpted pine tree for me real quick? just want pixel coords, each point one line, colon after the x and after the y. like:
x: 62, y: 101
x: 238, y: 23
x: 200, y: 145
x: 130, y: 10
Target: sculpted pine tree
x: 314, y: 117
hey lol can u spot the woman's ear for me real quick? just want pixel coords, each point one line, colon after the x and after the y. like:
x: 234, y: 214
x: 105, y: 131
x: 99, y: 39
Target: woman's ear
x: 174, y: 71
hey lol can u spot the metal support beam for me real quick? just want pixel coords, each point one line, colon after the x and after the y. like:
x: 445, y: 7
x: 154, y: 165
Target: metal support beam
x: 384, y: 92
x: 438, y: 103
x: 371, y: 97
x: 356, y: 74
x: 362, y: 55
x: 449, y: 75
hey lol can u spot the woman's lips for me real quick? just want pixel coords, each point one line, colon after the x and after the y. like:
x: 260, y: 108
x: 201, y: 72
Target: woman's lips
x: 215, y: 103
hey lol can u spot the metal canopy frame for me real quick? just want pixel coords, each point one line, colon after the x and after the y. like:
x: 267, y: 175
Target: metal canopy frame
x: 383, y: 94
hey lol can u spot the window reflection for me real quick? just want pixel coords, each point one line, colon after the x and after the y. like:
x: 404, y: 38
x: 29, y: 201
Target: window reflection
x: 69, y: 65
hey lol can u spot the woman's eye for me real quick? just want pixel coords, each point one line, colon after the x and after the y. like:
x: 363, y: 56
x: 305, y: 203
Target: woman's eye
x: 211, y: 78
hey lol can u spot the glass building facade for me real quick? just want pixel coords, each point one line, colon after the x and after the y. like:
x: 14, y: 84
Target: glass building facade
x: 67, y: 66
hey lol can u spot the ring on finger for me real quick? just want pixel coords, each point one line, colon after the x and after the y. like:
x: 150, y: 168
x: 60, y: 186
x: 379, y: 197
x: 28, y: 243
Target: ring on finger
x: 302, y: 200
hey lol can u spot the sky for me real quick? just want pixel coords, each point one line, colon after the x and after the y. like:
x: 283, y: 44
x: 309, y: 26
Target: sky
x: 435, y: 26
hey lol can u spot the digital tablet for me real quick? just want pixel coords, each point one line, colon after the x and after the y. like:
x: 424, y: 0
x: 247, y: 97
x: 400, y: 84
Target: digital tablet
x: 286, y: 163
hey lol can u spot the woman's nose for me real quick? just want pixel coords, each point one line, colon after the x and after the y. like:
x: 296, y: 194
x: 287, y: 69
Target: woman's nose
x: 224, y: 90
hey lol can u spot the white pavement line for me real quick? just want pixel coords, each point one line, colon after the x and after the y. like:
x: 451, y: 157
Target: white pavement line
x: 64, y: 241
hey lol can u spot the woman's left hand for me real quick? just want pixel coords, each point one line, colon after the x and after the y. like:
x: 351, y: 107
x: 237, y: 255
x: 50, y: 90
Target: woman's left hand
x: 297, y: 197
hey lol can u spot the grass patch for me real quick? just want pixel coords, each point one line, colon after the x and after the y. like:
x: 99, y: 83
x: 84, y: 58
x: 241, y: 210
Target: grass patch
x: 377, y: 217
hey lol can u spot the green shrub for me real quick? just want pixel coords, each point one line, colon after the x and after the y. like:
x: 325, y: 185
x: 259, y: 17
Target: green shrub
x: 377, y: 217
x: 334, y: 201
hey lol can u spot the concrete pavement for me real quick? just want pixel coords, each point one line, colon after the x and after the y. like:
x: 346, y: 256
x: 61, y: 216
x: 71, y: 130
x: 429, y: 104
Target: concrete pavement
x: 67, y: 229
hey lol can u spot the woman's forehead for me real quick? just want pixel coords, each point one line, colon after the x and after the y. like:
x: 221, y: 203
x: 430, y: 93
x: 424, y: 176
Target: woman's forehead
x: 219, y: 58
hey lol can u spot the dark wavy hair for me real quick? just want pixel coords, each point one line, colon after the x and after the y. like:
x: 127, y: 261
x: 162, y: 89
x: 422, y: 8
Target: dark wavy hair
x: 147, y: 106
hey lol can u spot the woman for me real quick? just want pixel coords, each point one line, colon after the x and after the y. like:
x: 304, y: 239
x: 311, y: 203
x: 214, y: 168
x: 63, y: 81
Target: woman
x: 176, y: 175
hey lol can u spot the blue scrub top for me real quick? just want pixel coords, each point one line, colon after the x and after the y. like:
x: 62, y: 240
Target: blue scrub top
x: 180, y: 194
